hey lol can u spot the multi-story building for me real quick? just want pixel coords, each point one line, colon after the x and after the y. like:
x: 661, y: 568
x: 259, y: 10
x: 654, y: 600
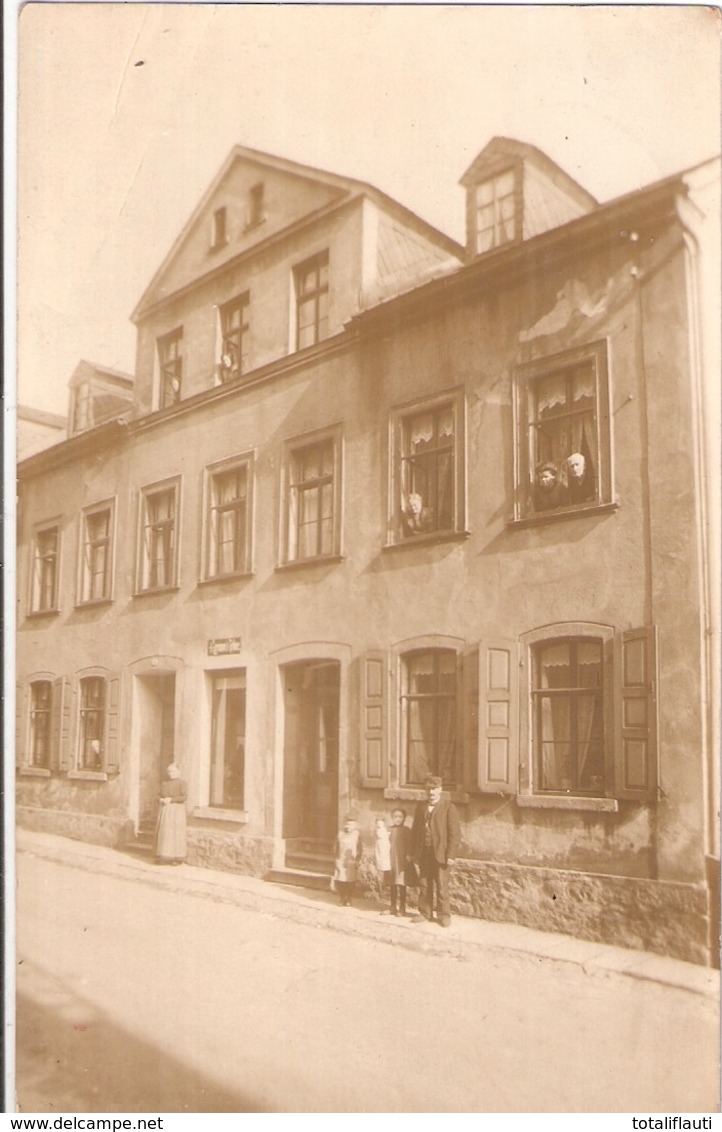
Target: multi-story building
x: 385, y: 506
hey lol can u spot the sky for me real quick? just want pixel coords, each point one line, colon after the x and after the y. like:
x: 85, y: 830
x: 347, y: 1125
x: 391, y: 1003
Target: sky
x: 126, y: 112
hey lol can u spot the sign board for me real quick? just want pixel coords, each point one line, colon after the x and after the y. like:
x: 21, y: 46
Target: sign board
x: 224, y: 646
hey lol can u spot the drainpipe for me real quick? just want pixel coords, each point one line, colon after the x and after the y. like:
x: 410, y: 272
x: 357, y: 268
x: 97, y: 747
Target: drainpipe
x: 701, y: 244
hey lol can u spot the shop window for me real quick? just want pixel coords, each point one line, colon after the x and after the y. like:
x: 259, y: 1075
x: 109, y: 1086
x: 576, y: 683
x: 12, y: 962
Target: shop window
x: 564, y: 438
x: 91, y: 723
x: 158, y: 553
x: 234, y: 320
x: 568, y: 740
x: 45, y: 569
x: 311, y: 289
x: 41, y: 703
x: 312, y: 498
x: 96, y: 563
x: 228, y: 519
x: 170, y: 362
x: 228, y: 740
x: 427, y: 470
x: 429, y: 714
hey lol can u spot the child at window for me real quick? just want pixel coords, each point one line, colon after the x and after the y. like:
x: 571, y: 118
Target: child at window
x: 401, y: 872
x: 348, y: 854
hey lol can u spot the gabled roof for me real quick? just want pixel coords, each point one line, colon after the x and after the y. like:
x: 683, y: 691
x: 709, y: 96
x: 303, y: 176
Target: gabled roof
x: 501, y: 152
x: 344, y: 189
x: 85, y: 371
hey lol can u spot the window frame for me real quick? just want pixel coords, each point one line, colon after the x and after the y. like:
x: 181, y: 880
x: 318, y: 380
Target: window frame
x: 29, y: 761
x: 219, y: 809
x: 517, y: 217
x: 428, y: 648
x: 289, y: 540
x: 169, y: 352
x: 36, y: 607
x: 91, y: 709
x: 226, y: 372
x: 142, y: 561
x: 397, y: 528
x: 89, y: 513
x: 219, y: 228
x: 314, y: 264
x: 211, y: 474
x: 525, y: 424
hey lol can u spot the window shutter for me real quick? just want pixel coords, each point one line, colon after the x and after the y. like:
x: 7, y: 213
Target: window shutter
x: 112, y: 748
x: 374, y: 723
x: 636, y: 728
x: 20, y: 728
x: 498, y: 717
x: 469, y: 729
x: 60, y: 725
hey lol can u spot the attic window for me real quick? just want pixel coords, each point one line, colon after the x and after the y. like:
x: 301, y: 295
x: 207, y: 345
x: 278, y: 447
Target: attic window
x: 497, y: 211
x: 256, y: 214
x: 218, y: 231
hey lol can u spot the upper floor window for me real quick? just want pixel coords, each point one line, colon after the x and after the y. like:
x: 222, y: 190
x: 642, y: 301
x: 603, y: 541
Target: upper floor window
x: 427, y: 469
x: 429, y: 712
x: 564, y: 439
x: 158, y: 565
x: 91, y: 723
x: 219, y: 235
x: 311, y: 280
x: 45, y: 569
x: 497, y: 211
x: 234, y: 338
x: 170, y: 361
x: 255, y: 205
x: 96, y: 562
x: 82, y: 415
x: 312, y: 503
x: 228, y: 518
x: 41, y: 699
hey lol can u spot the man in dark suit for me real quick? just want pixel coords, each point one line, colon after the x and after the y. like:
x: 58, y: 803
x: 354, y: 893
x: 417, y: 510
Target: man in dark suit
x: 435, y: 837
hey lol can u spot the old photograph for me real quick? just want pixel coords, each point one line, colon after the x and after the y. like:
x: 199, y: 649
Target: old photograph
x: 367, y: 588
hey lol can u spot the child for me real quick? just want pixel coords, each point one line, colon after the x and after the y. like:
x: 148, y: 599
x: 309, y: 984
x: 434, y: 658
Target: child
x: 401, y: 866
x: 382, y: 847
x: 348, y: 854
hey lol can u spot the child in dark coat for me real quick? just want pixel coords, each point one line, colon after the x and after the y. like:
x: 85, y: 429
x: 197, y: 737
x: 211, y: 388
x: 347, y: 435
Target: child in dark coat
x: 401, y: 872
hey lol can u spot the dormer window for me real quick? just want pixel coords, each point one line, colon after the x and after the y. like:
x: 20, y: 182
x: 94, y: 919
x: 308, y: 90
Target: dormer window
x: 256, y: 215
x: 218, y: 230
x: 496, y: 211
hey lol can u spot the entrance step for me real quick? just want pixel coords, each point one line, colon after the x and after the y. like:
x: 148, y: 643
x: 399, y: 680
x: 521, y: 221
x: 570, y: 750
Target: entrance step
x: 310, y: 863
x: 299, y: 878
x: 142, y: 842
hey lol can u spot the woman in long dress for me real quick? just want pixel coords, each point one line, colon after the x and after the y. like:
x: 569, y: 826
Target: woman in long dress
x: 170, y: 839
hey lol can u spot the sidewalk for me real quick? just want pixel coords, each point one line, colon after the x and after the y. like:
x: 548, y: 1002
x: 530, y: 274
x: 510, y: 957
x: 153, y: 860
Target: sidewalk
x: 466, y: 938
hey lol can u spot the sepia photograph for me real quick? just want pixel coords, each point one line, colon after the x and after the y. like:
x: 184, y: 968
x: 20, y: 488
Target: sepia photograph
x: 364, y: 624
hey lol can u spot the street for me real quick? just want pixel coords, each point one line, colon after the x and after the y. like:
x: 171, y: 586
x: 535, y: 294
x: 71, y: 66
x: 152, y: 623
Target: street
x: 141, y: 998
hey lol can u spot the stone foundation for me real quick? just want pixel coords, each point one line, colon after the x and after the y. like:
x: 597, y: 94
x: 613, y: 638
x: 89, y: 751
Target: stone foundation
x: 98, y: 829
x: 231, y: 853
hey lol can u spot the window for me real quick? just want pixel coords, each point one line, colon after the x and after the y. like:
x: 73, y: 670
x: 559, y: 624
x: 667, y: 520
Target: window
x: 429, y: 711
x: 228, y: 740
x: 218, y: 228
x: 158, y: 566
x: 228, y: 519
x: 312, y: 522
x: 564, y: 441
x: 427, y: 470
x: 568, y: 716
x: 41, y: 700
x: 96, y: 554
x: 234, y: 339
x: 170, y: 360
x: 311, y: 279
x: 91, y: 723
x: 496, y: 211
x: 256, y: 214
x: 44, y: 587
x: 82, y: 415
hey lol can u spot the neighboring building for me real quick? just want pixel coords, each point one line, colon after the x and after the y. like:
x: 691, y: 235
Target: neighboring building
x: 97, y: 395
x: 340, y: 543
x: 37, y: 429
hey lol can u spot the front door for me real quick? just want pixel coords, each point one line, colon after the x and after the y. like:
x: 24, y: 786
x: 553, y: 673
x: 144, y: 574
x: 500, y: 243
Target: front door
x: 310, y: 784
x: 155, y: 705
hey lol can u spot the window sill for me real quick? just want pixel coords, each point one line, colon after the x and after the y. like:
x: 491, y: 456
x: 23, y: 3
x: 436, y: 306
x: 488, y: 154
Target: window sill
x: 88, y: 775
x: 99, y: 601
x: 34, y: 772
x: 418, y: 794
x: 253, y: 224
x: 563, y: 513
x: 428, y: 539
x: 36, y: 613
x: 214, y: 813
x: 564, y: 802
x: 320, y: 560
x: 158, y: 590
x: 219, y: 245
x: 221, y: 579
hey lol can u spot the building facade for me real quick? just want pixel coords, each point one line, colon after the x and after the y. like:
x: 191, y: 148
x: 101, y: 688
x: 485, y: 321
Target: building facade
x: 384, y: 506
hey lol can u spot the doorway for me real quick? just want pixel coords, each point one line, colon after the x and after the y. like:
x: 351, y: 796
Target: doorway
x: 155, y: 717
x: 311, y: 691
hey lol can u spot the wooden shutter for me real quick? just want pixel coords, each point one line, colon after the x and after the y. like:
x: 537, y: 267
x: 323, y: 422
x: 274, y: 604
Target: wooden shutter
x: 60, y: 725
x: 112, y: 746
x: 374, y: 720
x: 20, y: 726
x: 498, y: 717
x: 469, y: 725
x: 636, y: 716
